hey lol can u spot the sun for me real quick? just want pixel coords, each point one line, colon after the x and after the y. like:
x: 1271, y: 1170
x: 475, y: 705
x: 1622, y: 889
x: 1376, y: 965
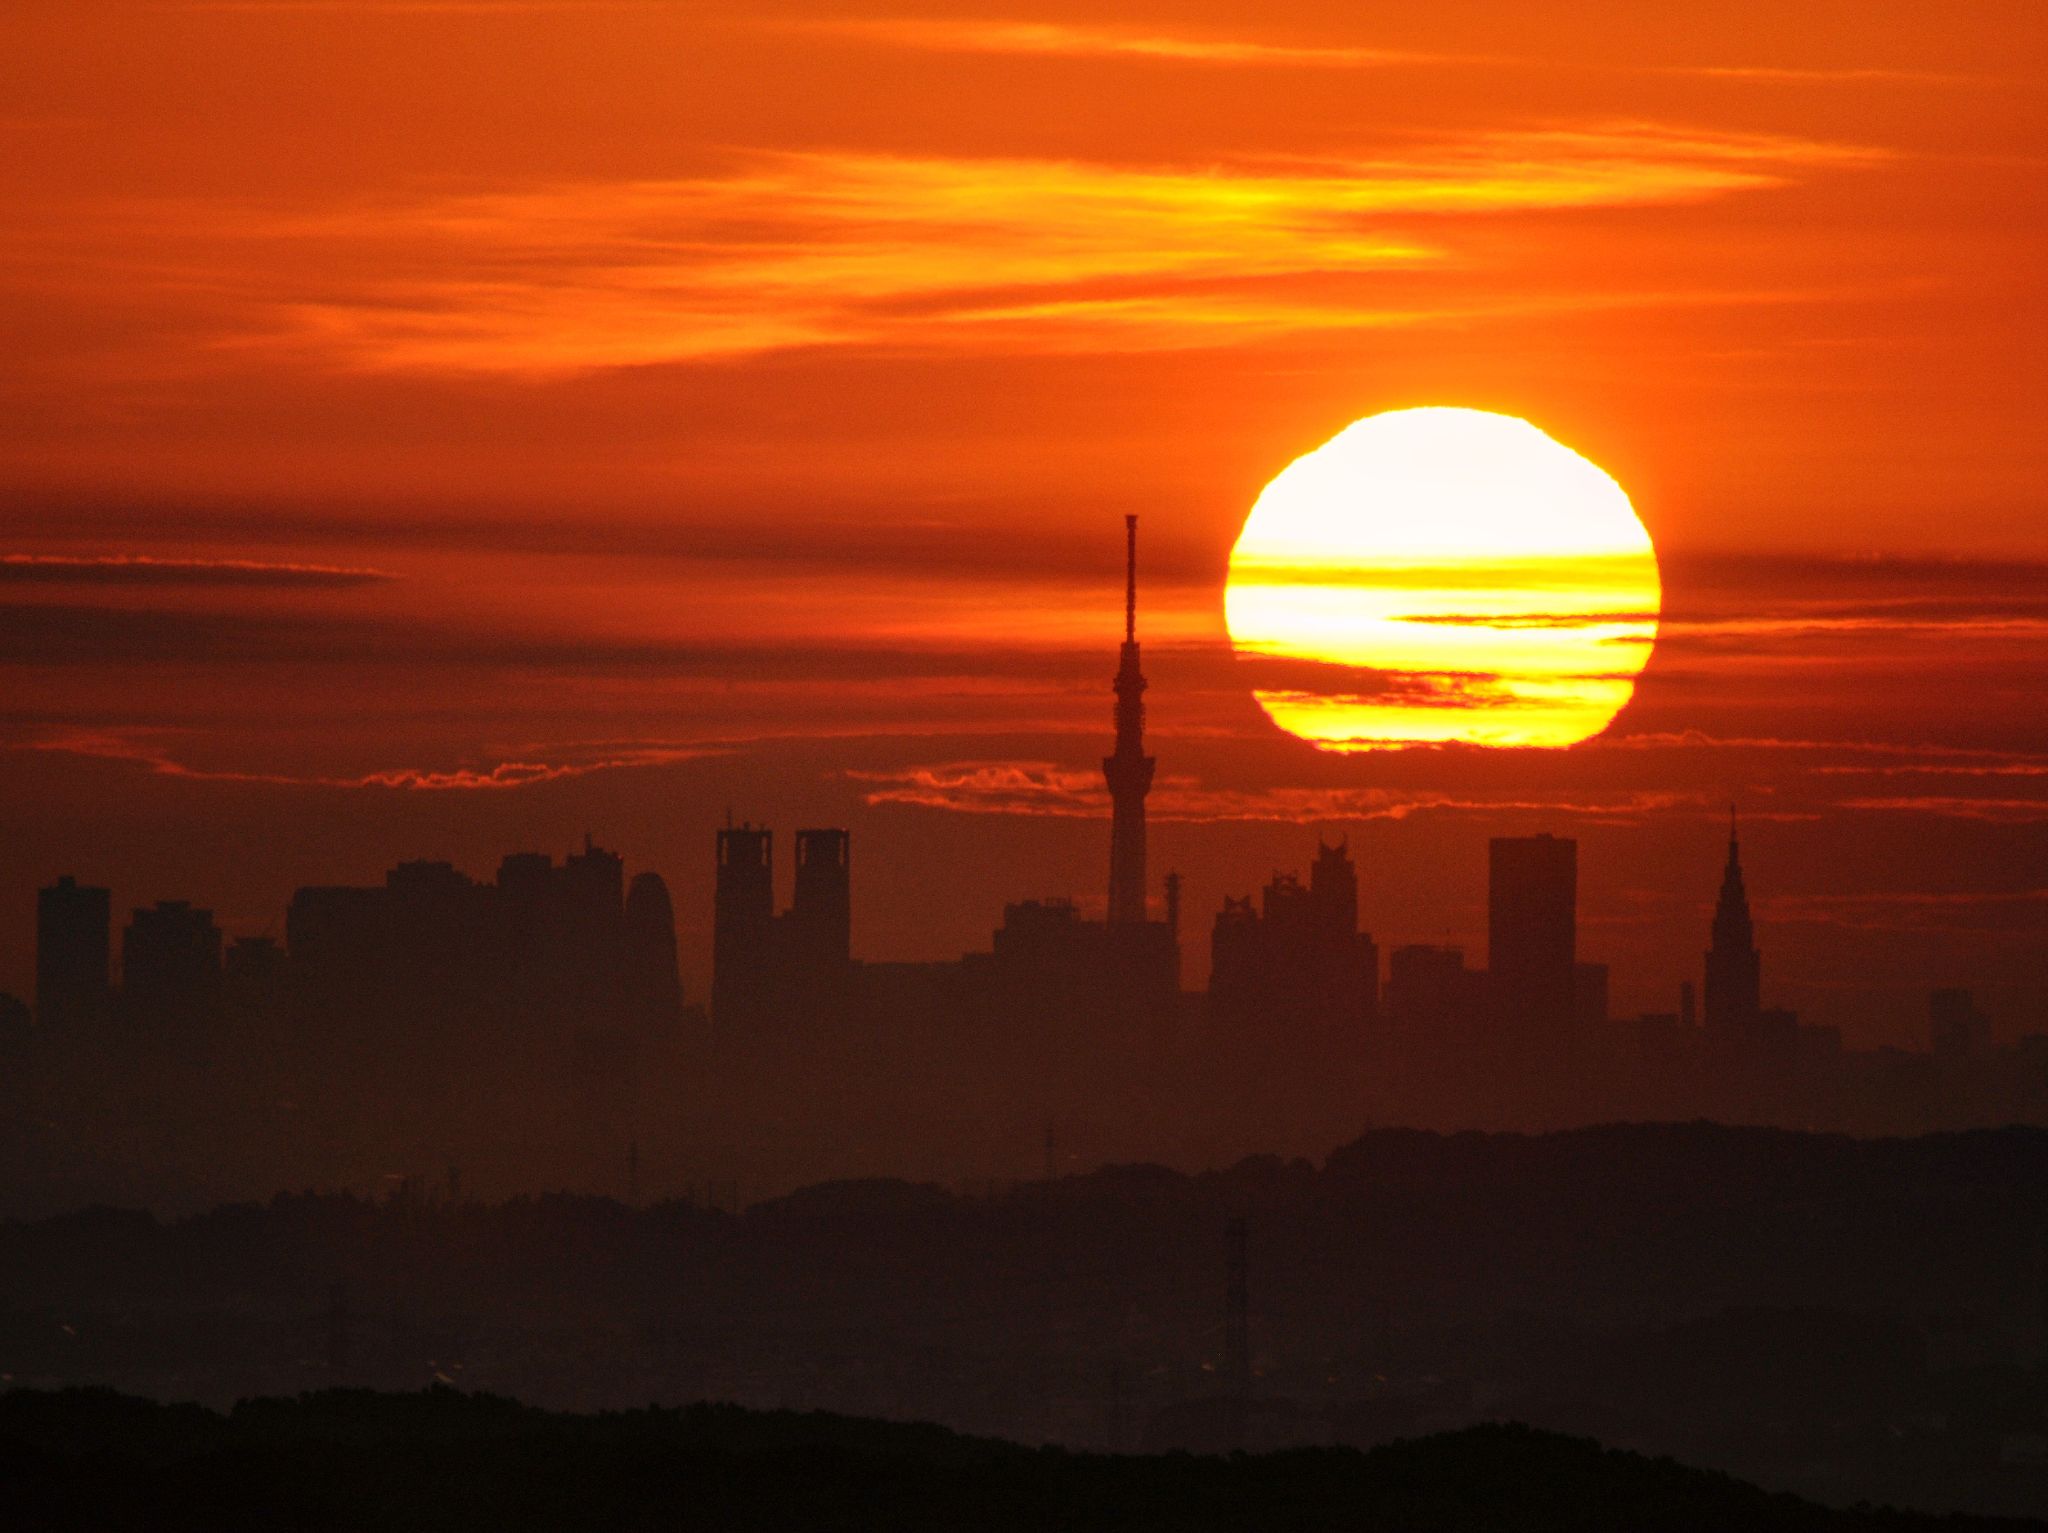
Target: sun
x: 1442, y: 576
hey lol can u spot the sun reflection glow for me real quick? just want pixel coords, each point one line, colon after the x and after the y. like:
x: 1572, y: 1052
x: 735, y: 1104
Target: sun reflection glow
x: 1443, y: 575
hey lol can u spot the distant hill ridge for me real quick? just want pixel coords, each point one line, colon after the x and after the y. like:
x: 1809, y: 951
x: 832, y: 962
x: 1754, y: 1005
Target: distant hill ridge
x: 443, y: 1459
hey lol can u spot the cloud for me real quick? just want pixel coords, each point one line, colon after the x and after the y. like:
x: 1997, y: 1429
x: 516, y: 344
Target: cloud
x: 1885, y: 757
x: 843, y: 248
x: 1130, y: 44
x: 2001, y: 811
x: 1068, y: 40
x: 411, y: 7
x: 46, y: 634
x: 139, y: 749
x: 1041, y: 788
x: 147, y: 569
x: 1846, y: 75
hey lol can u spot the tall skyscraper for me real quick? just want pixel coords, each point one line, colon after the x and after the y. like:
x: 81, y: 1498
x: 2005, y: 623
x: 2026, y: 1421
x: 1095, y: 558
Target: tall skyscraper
x: 72, y: 935
x: 594, y: 905
x: 1128, y: 770
x: 654, y: 986
x: 1532, y: 915
x: 1734, y: 994
x: 820, y: 918
x: 742, y: 919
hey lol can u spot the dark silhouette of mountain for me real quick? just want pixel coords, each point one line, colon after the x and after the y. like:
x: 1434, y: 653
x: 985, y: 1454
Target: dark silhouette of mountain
x: 443, y: 1459
x: 1845, y: 1319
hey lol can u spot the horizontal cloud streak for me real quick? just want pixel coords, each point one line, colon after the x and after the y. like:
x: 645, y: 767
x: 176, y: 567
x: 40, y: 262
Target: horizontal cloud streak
x: 1844, y: 75
x: 1046, y: 789
x: 128, y: 747
x: 1067, y: 40
x: 147, y: 569
x: 842, y: 248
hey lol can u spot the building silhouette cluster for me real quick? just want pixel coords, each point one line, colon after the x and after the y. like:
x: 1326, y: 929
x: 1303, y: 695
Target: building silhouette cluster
x: 433, y: 1005
x: 1296, y: 962
x: 542, y: 944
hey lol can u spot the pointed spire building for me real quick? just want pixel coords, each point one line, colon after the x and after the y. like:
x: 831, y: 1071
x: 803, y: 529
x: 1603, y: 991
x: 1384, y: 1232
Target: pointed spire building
x: 1734, y: 966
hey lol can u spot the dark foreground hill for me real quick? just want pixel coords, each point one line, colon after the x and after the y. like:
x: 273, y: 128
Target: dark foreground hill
x: 446, y: 1460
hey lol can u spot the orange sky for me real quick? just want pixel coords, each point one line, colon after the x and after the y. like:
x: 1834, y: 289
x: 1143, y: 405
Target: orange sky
x: 437, y: 424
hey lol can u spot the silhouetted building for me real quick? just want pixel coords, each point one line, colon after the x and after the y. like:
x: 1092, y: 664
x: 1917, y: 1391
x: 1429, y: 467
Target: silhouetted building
x: 742, y: 921
x: 1298, y: 963
x: 819, y: 921
x: 421, y: 981
x: 335, y: 936
x: 1345, y: 963
x: 1734, y: 989
x: 170, y: 965
x: 255, y: 961
x: 1429, y: 988
x: 594, y: 910
x: 1236, y: 958
x: 17, y: 1054
x: 73, y: 923
x: 654, y: 985
x: 1956, y: 1029
x: 254, y: 977
x: 1128, y: 770
x: 1048, y: 957
x: 786, y: 968
x: 1532, y: 931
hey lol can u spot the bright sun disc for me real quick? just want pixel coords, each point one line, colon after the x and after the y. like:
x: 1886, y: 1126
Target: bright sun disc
x: 1442, y: 575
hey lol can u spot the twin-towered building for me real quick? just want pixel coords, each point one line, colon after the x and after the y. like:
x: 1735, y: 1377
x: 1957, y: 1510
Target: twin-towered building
x: 768, y: 966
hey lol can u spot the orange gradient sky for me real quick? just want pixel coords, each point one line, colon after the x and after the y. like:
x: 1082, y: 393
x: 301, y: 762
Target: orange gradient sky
x: 434, y: 425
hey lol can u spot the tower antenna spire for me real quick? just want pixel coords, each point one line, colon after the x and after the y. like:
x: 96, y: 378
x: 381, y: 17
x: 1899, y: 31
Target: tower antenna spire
x: 1127, y: 770
x: 1130, y: 580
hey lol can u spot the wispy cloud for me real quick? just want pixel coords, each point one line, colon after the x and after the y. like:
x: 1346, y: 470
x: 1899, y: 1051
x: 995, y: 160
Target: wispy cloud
x: 154, y: 756
x: 791, y: 250
x: 1042, y: 788
x: 2003, y: 811
x: 413, y: 7
x: 146, y: 569
x: 1070, y: 40
x: 1820, y: 75
x: 1022, y: 37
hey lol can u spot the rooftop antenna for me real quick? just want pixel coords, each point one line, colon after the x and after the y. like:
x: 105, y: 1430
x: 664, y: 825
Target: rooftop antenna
x: 1130, y: 580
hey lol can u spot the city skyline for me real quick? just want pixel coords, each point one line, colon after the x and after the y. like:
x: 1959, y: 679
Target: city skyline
x: 779, y: 461
x: 768, y: 961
